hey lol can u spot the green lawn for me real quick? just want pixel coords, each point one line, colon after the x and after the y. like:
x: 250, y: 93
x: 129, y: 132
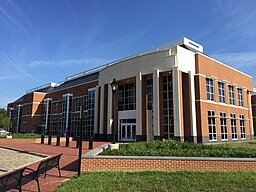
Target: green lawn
x: 25, y: 136
x: 161, y: 181
x: 185, y: 149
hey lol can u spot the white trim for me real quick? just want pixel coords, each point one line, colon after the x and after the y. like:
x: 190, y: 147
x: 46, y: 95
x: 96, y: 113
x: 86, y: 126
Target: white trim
x: 67, y: 112
x: 224, y: 104
x: 200, y: 74
x: 37, y: 93
x: 102, y: 90
x: 47, y: 113
x: 156, y: 114
x: 31, y: 103
x: 109, y: 111
x: 18, y: 119
x: 96, y: 103
x: 139, y: 104
x: 224, y: 64
x: 72, y: 86
x: 192, y: 103
x: 176, y: 102
x: 92, y: 89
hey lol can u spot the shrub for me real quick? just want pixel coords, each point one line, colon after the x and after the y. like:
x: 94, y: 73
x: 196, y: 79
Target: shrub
x: 174, y: 148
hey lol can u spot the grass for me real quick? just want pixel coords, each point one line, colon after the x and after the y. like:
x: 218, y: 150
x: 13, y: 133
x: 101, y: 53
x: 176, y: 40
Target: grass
x: 181, y: 149
x: 160, y: 181
x: 25, y: 136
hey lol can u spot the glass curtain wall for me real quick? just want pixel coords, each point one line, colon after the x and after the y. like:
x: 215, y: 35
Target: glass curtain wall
x: 168, y: 107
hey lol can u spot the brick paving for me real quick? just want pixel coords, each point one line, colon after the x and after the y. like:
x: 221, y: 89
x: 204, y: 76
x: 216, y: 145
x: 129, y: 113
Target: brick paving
x: 12, y: 159
x: 68, y: 162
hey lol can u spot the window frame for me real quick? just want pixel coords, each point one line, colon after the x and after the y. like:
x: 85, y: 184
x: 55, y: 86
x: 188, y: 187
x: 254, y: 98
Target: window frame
x: 212, y: 125
x: 242, y: 127
x: 210, y: 89
x: 233, y: 126
x: 221, y: 91
x: 240, y: 97
x: 223, y: 126
x: 231, y: 92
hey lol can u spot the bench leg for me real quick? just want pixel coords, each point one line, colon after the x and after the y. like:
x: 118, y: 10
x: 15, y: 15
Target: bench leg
x: 45, y: 174
x: 37, y: 180
x: 59, y: 171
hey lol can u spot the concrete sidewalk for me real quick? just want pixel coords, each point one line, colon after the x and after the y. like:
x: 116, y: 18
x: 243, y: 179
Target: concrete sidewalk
x: 68, y: 162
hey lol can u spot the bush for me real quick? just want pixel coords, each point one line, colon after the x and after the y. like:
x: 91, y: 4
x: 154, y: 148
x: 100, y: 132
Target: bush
x: 181, y: 149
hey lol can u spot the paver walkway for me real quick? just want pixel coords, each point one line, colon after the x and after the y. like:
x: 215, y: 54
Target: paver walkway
x: 68, y: 162
x: 12, y: 159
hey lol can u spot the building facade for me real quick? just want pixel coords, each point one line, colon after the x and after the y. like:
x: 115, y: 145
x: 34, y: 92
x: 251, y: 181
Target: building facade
x: 173, y: 91
x: 254, y: 109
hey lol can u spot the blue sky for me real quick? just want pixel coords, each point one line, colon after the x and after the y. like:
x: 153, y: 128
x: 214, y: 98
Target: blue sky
x: 45, y: 40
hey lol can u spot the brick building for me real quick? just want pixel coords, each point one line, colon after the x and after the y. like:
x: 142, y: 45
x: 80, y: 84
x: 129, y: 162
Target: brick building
x: 254, y: 109
x: 172, y: 91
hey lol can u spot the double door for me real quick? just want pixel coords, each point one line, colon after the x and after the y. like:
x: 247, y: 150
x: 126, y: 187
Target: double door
x: 128, y: 131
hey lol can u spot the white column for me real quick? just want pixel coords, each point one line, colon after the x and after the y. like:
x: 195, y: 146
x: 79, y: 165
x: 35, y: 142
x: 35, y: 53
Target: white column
x: 192, y: 105
x: 18, y: 119
x: 96, y: 109
x: 250, y: 114
x: 102, y: 109
x: 139, y: 104
x: 156, y: 115
x: 176, y: 102
x: 109, y: 116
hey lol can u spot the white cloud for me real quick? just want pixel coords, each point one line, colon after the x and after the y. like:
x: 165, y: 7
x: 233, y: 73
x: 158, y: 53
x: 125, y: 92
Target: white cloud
x: 238, y: 18
x: 70, y: 62
x: 237, y: 60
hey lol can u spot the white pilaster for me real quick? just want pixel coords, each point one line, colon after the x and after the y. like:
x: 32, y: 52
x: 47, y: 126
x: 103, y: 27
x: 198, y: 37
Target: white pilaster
x: 176, y: 102
x: 96, y: 109
x: 102, y: 109
x: 109, y: 117
x: 192, y: 104
x: 250, y: 114
x: 156, y: 115
x: 139, y: 104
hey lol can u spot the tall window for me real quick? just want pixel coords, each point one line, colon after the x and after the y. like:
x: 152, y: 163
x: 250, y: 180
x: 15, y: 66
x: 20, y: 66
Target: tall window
x: 221, y: 89
x: 54, y: 107
x: 209, y: 89
x: 77, y: 104
x: 231, y: 94
x: 150, y: 94
x: 240, y: 96
x: 126, y: 97
x: 66, y: 110
x: 46, y: 114
x: 89, y: 121
x: 212, y: 126
x: 76, y: 126
x: 242, y: 127
x: 233, y: 126
x: 223, y: 125
x: 54, y: 129
x: 168, y: 107
x: 85, y: 102
x: 17, y: 119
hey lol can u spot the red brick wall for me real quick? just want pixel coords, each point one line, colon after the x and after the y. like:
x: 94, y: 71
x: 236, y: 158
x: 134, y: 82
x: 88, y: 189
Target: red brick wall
x: 116, y: 164
x: 206, y: 67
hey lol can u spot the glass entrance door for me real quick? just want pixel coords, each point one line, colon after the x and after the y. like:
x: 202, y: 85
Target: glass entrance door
x: 128, y: 131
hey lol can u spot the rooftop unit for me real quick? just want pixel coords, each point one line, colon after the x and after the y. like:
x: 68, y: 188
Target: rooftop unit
x: 42, y: 87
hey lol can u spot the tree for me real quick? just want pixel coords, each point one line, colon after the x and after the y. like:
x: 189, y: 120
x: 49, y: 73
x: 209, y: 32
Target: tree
x: 4, y: 120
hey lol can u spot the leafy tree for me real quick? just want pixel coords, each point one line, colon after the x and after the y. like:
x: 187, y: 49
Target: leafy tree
x: 4, y: 120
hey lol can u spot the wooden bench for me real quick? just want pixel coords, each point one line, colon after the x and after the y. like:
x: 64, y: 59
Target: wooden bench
x: 43, y: 167
x: 11, y: 180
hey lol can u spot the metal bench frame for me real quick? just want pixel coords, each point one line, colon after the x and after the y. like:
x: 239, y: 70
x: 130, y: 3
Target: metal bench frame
x: 43, y: 167
x: 12, y: 180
